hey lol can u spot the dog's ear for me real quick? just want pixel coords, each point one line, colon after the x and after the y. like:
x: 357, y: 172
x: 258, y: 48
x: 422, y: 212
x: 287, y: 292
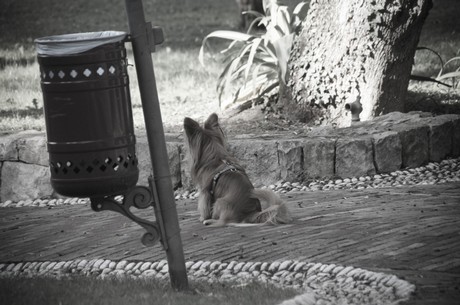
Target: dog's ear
x: 191, y: 127
x: 212, y: 122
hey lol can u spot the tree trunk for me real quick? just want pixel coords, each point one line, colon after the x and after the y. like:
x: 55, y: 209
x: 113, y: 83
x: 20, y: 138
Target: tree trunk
x: 353, y: 50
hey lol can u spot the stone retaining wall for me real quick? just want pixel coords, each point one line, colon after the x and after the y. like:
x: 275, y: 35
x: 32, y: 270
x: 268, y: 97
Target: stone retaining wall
x: 386, y: 144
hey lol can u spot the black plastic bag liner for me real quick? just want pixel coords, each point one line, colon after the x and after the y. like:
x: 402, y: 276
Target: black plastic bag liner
x: 69, y: 44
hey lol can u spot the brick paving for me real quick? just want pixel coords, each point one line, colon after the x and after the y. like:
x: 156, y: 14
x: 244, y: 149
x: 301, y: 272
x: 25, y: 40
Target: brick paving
x: 413, y: 232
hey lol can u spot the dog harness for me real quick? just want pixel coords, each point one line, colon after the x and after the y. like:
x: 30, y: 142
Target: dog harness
x: 228, y: 168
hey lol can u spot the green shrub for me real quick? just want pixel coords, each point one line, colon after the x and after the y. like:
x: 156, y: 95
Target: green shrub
x: 256, y: 61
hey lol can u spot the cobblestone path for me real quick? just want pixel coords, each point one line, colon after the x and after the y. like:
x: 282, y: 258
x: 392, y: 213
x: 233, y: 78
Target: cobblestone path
x: 412, y: 232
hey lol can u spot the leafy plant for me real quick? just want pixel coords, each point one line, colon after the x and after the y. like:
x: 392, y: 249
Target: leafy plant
x: 454, y: 76
x: 256, y: 61
x: 442, y: 76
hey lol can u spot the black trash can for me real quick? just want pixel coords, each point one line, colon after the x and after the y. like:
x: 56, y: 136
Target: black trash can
x: 88, y: 113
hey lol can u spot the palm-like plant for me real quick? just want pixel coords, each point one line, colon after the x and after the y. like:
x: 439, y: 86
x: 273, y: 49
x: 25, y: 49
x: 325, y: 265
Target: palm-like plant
x: 256, y: 61
x: 442, y: 77
x: 454, y: 75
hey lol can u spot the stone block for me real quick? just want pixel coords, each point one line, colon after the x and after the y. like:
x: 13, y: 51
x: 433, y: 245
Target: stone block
x: 21, y: 181
x: 145, y: 164
x: 143, y: 158
x: 173, y: 149
x: 259, y: 158
x: 319, y: 157
x: 290, y: 156
x: 33, y: 150
x: 354, y: 157
x: 185, y: 165
x: 456, y: 137
x: 387, y: 152
x: 414, y: 144
x: 397, y: 118
x: 8, y: 147
x: 440, y: 138
x: 9, y: 150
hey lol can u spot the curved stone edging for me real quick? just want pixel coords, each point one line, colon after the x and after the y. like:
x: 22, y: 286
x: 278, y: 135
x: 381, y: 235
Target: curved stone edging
x: 433, y: 173
x: 381, y: 146
x: 320, y: 283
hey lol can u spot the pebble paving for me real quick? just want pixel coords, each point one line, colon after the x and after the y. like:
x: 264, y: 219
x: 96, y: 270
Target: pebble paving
x: 316, y: 283
x: 433, y: 173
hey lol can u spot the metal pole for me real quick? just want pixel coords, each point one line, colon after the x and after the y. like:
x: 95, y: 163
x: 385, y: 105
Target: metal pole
x: 141, y: 36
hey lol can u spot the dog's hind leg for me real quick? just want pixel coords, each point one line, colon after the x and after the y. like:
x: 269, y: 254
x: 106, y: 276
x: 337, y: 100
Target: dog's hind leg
x: 274, y: 210
x: 214, y: 223
x: 221, y: 215
x: 204, y: 206
x: 219, y: 223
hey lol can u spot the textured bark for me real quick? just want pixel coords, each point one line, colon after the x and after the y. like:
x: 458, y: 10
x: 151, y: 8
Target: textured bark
x: 352, y: 50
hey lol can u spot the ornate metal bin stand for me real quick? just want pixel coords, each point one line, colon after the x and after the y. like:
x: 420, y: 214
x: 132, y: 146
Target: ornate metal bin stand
x: 90, y: 132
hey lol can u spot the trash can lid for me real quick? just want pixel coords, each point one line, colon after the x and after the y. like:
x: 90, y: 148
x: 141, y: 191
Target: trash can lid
x: 69, y: 44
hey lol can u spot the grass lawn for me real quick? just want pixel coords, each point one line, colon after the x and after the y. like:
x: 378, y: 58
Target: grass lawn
x: 84, y: 290
x: 185, y: 87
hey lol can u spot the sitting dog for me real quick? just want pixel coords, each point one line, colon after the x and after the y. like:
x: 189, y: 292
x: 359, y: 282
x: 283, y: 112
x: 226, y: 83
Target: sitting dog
x: 226, y: 197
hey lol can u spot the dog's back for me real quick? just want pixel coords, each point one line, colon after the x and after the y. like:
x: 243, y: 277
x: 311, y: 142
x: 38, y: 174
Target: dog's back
x: 233, y: 195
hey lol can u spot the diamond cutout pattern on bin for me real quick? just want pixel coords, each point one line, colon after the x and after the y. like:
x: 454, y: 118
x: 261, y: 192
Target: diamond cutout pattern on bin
x: 77, y: 73
x: 104, y: 165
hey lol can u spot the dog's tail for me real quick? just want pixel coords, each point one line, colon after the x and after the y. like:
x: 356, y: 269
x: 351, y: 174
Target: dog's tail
x: 274, y: 210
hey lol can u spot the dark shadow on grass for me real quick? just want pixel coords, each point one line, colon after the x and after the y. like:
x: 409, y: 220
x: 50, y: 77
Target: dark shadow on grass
x: 5, y: 62
x: 22, y: 113
x: 119, y: 291
x: 434, y: 101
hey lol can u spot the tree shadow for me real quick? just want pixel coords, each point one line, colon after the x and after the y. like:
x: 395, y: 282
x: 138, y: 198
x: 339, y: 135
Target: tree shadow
x: 23, y: 62
x: 22, y: 113
x: 435, y: 102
